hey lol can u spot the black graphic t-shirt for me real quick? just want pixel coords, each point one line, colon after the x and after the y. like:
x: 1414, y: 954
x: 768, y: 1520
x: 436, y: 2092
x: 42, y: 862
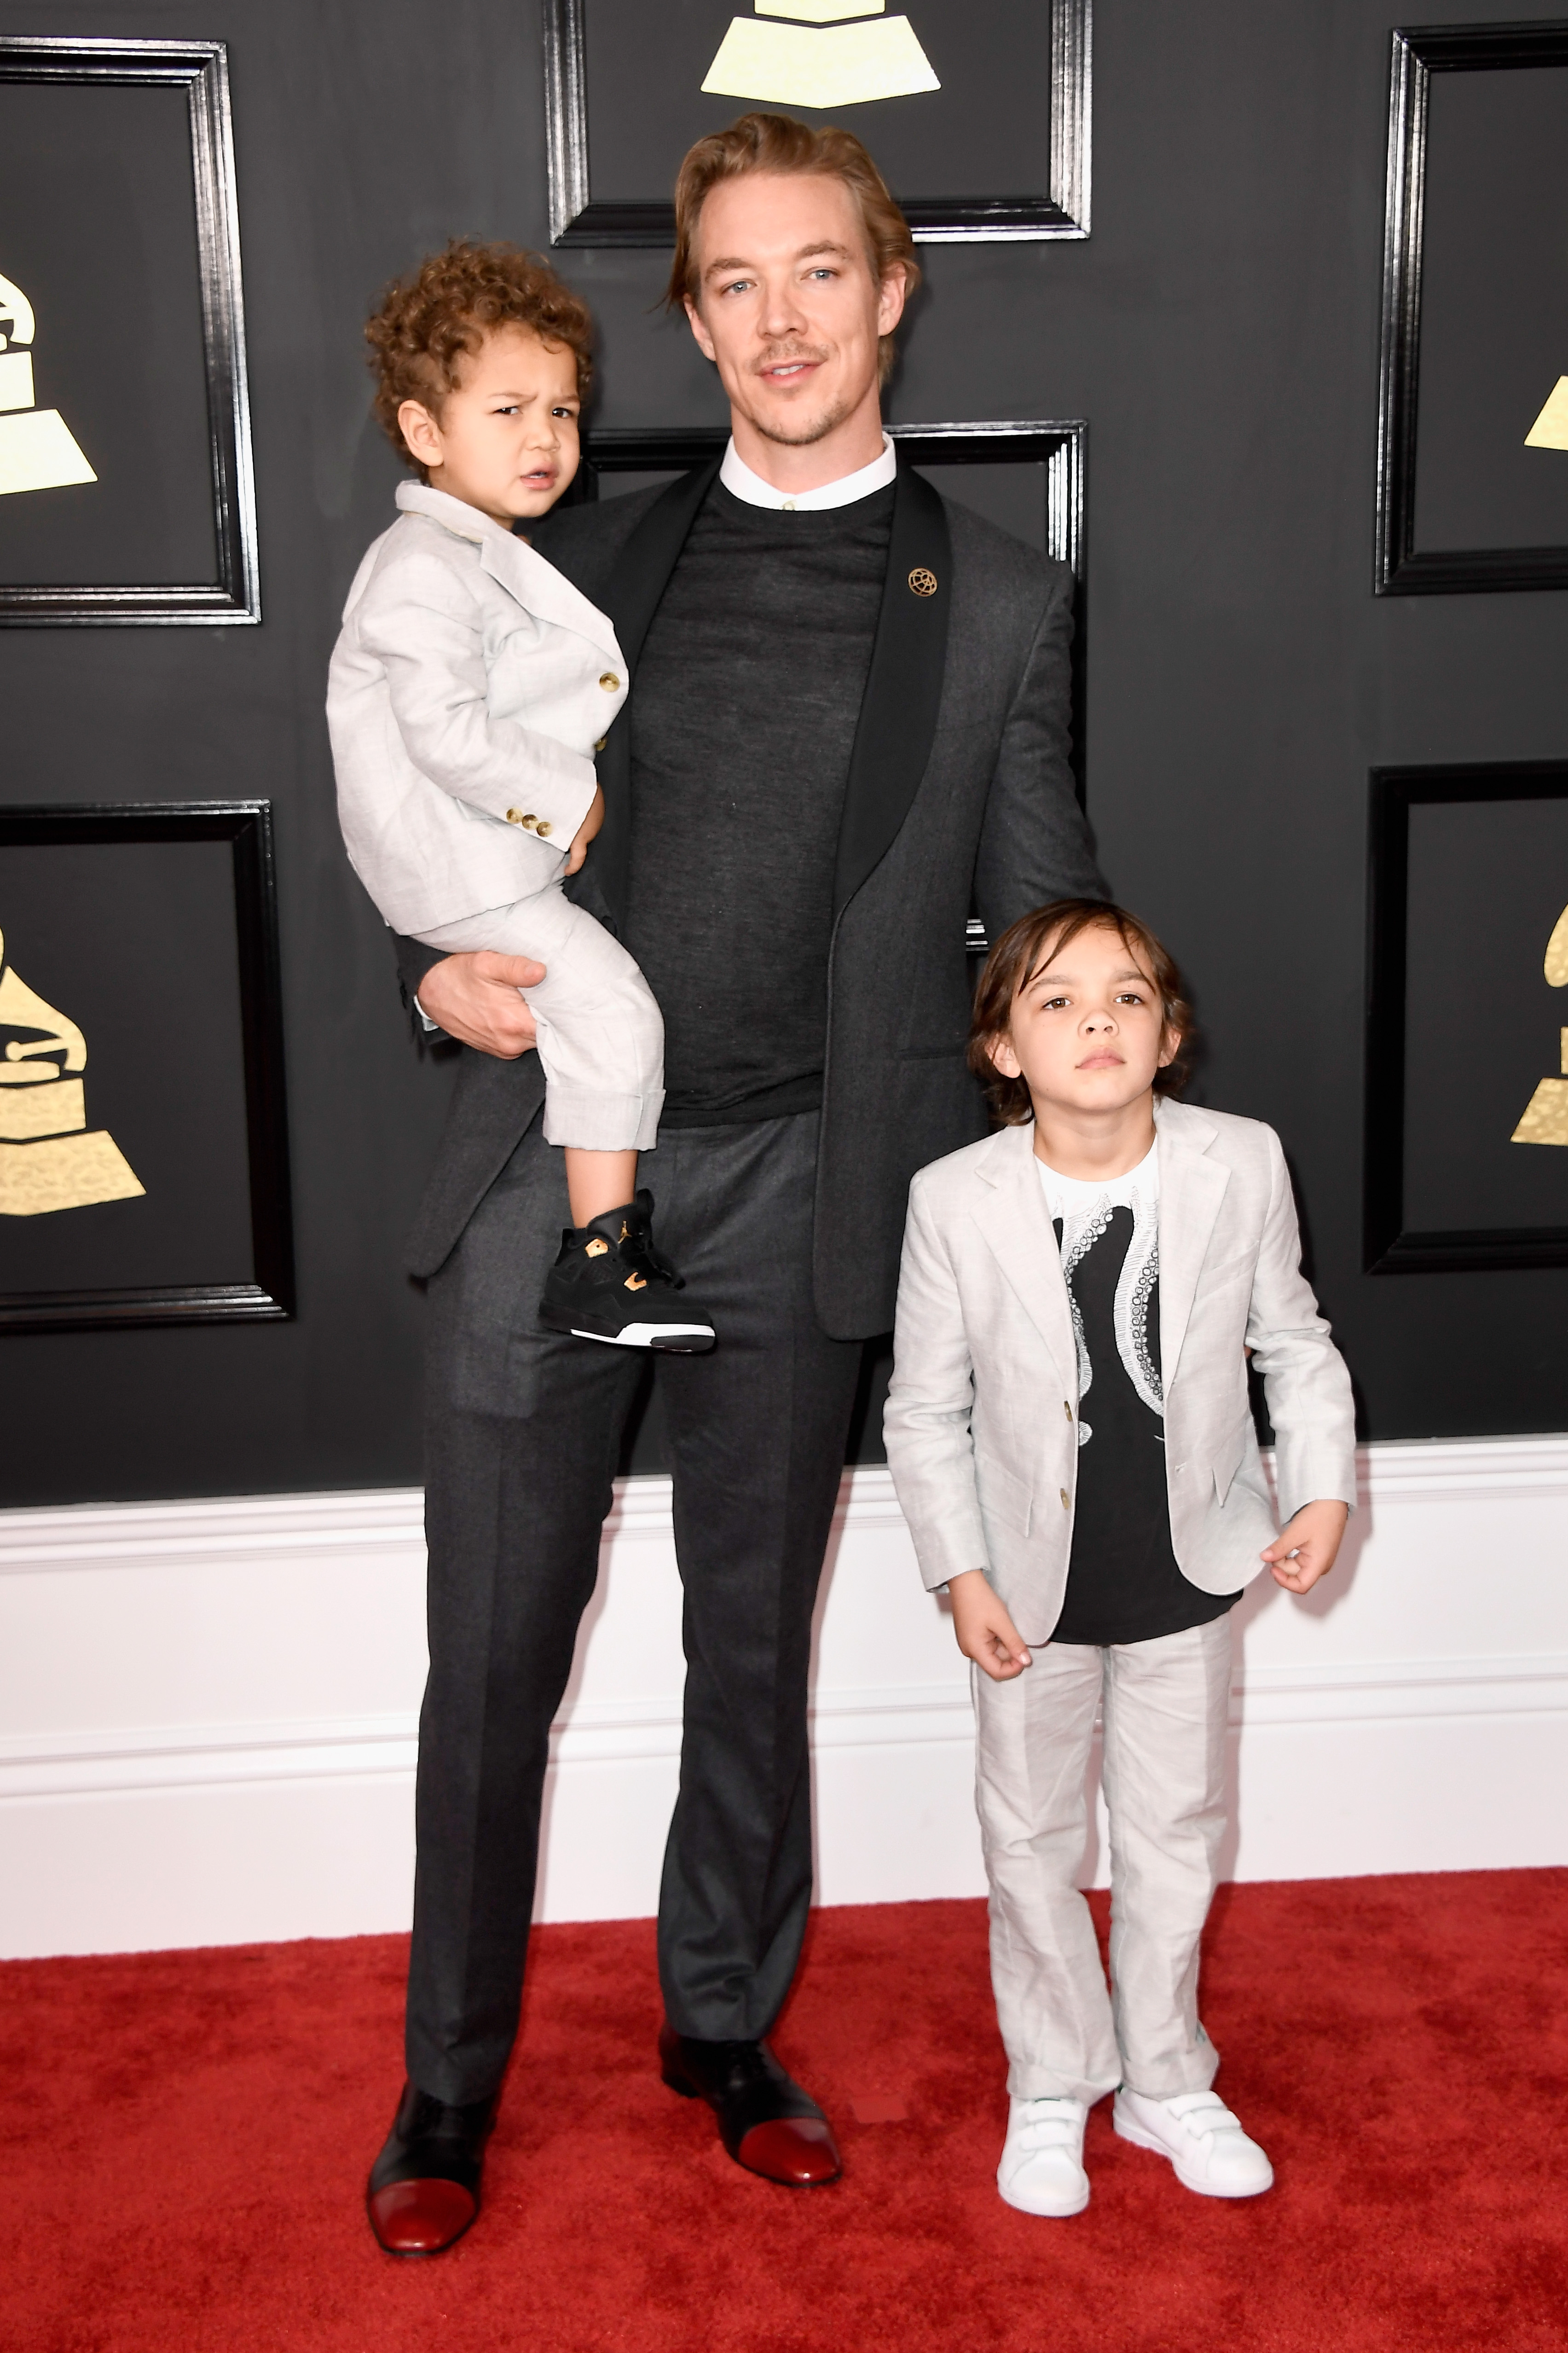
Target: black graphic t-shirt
x: 1123, y: 1584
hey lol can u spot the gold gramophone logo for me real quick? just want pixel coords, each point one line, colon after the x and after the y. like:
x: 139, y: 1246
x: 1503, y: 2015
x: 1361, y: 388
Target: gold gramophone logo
x: 38, y: 451
x: 49, y: 1158
x: 1545, y: 1117
x: 820, y: 59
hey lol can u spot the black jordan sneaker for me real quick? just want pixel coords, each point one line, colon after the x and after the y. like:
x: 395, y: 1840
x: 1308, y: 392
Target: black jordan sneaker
x: 610, y: 1282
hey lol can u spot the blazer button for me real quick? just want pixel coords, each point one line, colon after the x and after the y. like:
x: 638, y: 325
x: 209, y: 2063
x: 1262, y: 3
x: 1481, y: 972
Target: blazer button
x: 609, y: 682
x: 601, y: 744
x: 1067, y: 1500
x: 515, y: 817
x: 544, y: 829
x: 1066, y: 1408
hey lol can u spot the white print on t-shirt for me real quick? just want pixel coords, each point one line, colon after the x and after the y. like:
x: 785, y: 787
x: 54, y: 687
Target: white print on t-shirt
x: 1084, y: 1208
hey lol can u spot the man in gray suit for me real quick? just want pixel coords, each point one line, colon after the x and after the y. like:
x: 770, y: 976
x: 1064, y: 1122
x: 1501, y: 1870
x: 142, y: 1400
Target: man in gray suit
x: 847, y: 726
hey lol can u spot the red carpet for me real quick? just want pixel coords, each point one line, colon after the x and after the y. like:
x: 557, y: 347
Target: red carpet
x: 186, y: 2135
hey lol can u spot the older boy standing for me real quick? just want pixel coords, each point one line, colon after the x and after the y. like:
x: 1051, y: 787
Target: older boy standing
x: 852, y: 698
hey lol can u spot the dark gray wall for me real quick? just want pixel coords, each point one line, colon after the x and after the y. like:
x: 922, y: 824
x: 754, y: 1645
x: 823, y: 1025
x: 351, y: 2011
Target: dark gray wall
x: 1219, y: 331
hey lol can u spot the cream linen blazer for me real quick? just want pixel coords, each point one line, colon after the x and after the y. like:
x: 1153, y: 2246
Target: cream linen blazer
x: 469, y: 691
x: 982, y: 1415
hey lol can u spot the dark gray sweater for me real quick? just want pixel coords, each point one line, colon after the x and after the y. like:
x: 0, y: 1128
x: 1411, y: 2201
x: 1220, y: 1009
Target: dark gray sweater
x: 743, y: 723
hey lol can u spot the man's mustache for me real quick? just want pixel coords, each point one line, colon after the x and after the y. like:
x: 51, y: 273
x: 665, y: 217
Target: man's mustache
x: 786, y: 354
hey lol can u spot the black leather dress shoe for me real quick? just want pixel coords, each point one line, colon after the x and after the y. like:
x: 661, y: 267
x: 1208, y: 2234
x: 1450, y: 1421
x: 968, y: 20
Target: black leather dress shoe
x: 424, y: 2189
x: 766, y: 2121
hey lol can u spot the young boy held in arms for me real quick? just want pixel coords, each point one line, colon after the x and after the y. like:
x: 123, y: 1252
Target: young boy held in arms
x: 1070, y: 1435
x: 469, y: 690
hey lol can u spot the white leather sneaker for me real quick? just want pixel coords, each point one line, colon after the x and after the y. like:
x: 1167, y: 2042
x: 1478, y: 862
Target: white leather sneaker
x: 1203, y: 2140
x: 1041, y: 2171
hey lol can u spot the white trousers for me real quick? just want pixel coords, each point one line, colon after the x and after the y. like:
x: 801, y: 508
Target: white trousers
x: 1165, y: 1706
x: 601, y: 1035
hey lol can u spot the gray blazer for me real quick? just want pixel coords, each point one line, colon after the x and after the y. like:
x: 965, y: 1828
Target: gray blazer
x: 982, y: 1416
x: 960, y: 797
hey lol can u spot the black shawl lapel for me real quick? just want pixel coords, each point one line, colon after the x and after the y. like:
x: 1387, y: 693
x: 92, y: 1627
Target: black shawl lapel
x: 903, y: 690
x: 640, y: 578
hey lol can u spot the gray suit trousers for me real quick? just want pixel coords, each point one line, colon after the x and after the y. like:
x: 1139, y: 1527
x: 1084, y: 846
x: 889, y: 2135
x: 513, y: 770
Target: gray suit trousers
x: 524, y: 1431
x: 1166, y: 1703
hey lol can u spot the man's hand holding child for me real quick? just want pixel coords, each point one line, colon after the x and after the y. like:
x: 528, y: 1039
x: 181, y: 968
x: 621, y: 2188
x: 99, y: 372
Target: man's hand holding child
x: 1304, y: 1549
x: 473, y: 997
x: 985, y: 1631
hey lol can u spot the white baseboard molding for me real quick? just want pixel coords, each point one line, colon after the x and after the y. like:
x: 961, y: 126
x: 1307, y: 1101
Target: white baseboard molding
x: 207, y: 1709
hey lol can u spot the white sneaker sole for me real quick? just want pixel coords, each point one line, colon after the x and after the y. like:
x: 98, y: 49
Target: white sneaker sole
x: 690, y: 1338
x: 1141, y: 2139
x: 1054, y: 2213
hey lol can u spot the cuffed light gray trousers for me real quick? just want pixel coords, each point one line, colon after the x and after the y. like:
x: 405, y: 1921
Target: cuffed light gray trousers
x: 601, y: 1034
x: 1165, y: 1706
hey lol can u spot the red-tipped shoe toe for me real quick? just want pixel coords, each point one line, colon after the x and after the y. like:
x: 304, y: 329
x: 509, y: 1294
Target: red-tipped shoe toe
x: 798, y: 2150
x: 420, y: 2218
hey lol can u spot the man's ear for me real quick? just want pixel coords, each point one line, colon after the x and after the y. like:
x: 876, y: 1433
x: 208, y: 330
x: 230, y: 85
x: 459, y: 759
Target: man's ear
x: 421, y: 432
x: 891, y: 307
x: 999, y: 1048
x: 1171, y: 1046
x: 704, y: 340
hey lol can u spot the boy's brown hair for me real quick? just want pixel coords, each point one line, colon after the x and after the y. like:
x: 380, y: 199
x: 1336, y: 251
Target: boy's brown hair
x: 772, y: 143
x: 1038, y: 938
x: 427, y: 322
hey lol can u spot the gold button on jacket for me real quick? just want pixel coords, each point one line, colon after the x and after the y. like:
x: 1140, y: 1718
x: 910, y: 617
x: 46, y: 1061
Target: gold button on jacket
x: 1067, y: 1502
x: 609, y: 682
x: 543, y: 827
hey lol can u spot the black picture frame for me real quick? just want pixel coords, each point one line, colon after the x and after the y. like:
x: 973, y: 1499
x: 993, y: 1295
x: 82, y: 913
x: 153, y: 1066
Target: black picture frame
x: 1391, y: 1245
x: 1418, y: 53
x: 1059, y: 444
x: 268, y: 1297
x: 233, y: 596
x: 1060, y: 208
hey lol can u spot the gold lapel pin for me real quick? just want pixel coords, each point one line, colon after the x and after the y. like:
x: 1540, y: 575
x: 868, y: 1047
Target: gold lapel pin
x: 922, y: 582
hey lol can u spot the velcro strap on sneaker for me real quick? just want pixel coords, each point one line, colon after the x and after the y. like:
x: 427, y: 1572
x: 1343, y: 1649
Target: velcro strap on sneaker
x: 1051, y: 2124
x: 1204, y: 2113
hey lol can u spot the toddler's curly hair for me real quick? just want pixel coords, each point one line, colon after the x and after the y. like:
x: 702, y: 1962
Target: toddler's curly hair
x: 427, y: 322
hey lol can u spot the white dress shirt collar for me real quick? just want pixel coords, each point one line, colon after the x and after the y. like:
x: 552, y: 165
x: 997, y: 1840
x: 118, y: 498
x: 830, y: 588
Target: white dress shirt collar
x: 738, y: 477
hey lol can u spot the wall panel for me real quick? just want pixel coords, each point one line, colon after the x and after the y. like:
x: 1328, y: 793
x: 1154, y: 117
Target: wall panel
x: 1219, y: 331
x: 210, y: 1709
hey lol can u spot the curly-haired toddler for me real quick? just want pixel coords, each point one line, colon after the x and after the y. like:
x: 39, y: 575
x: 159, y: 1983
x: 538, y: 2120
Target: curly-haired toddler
x: 469, y: 690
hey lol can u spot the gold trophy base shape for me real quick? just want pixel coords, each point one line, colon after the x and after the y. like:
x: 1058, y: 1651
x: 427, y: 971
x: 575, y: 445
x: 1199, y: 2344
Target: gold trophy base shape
x: 820, y: 64
x: 1545, y: 1117
x: 49, y: 1159
x: 64, y: 1172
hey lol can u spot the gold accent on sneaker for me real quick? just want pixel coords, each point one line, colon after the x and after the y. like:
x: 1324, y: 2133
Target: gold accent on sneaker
x: 637, y: 1283
x: 597, y: 1249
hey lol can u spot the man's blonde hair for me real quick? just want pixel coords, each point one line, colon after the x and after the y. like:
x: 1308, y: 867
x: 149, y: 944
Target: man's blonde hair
x: 772, y: 143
